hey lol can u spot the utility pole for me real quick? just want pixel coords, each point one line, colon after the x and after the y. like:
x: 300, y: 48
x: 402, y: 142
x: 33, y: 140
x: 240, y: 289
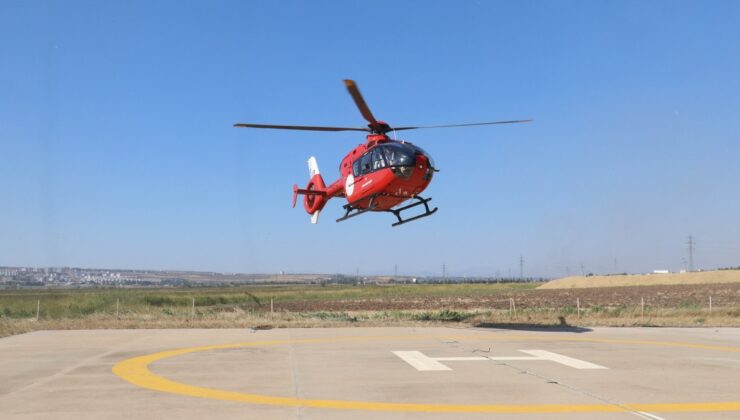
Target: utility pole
x: 691, y: 244
x: 395, y: 271
x: 444, y: 272
x: 583, y: 270
x: 521, y: 267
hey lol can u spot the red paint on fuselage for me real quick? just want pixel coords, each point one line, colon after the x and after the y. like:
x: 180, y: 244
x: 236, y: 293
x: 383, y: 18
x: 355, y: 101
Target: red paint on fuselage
x: 389, y: 186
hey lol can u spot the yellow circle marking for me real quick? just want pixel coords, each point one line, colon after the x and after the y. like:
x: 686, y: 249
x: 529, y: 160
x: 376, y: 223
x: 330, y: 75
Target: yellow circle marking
x: 136, y: 371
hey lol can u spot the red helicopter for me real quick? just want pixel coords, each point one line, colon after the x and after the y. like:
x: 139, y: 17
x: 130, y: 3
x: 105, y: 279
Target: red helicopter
x: 375, y: 176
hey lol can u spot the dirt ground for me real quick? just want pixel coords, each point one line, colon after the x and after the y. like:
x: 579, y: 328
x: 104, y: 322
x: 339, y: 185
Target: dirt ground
x: 700, y: 277
x: 672, y: 296
x: 670, y: 306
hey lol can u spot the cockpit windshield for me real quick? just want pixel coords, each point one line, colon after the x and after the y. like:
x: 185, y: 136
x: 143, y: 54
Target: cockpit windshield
x: 391, y: 155
x: 424, y: 152
x: 399, y: 154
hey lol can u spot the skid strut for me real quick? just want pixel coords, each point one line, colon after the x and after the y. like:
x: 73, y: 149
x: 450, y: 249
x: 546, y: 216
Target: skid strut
x: 351, y: 210
x: 422, y: 201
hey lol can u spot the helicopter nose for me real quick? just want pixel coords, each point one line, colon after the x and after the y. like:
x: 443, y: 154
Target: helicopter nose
x: 429, y: 168
x: 430, y: 162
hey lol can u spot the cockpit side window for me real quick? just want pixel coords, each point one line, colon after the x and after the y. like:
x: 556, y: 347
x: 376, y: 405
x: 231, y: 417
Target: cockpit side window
x: 366, y: 165
x: 356, y: 167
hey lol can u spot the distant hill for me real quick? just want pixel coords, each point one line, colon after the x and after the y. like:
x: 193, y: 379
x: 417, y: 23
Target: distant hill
x: 701, y: 277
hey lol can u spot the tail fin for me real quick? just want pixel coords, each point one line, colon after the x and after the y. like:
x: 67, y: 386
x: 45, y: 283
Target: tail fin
x: 313, y: 167
x: 315, y: 193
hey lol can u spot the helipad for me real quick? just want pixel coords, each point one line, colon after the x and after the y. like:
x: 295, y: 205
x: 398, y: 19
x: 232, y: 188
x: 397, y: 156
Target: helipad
x: 372, y: 373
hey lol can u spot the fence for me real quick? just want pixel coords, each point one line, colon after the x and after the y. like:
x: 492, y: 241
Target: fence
x: 195, y: 306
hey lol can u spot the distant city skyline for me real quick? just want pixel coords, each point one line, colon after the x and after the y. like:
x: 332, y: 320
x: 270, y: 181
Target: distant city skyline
x: 75, y: 277
x: 118, y: 147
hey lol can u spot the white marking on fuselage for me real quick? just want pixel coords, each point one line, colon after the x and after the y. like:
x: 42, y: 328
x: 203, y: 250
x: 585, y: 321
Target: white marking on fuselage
x: 349, y: 185
x: 367, y: 183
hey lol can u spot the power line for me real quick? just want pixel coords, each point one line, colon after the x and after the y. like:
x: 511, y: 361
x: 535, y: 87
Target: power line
x: 521, y: 267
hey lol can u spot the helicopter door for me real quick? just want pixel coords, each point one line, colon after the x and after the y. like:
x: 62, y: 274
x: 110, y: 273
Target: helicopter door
x: 366, y: 163
x: 361, y: 167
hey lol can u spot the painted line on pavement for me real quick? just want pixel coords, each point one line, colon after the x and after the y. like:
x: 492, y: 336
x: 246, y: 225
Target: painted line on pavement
x: 420, y: 361
x: 136, y: 371
x: 564, y: 360
x: 424, y: 363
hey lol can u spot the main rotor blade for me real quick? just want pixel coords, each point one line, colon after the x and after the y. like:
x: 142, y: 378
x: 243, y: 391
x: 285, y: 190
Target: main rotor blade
x: 460, y: 125
x: 300, y: 127
x: 360, y: 101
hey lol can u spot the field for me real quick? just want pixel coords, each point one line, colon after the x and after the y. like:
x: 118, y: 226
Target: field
x: 702, y: 277
x: 514, y: 304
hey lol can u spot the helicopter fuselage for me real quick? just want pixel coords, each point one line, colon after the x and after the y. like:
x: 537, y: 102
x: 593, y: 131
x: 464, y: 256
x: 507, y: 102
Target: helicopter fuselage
x: 382, y: 173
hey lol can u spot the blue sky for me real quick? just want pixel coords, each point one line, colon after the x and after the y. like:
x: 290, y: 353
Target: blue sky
x: 118, y: 151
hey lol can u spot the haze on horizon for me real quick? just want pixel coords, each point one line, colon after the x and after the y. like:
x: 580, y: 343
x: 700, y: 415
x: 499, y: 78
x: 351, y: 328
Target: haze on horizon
x: 118, y: 151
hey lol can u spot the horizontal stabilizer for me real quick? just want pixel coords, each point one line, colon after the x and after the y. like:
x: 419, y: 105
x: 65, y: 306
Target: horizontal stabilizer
x: 297, y: 191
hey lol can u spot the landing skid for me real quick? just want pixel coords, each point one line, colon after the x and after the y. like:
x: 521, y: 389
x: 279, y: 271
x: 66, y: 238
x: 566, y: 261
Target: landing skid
x: 427, y: 212
x: 351, y: 210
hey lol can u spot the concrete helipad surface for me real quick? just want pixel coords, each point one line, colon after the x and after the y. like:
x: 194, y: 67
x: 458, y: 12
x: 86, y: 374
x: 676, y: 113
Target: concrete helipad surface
x: 364, y: 373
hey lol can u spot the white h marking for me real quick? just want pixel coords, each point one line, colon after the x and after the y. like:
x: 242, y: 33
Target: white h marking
x: 563, y: 360
x: 422, y: 362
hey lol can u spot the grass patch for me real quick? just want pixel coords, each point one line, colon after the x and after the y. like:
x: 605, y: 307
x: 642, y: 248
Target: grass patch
x: 333, y: 306
x: 326, y: 315
x: 684, y: 304
x: 445, y: 315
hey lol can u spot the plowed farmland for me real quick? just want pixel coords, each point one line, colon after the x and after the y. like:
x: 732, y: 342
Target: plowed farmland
x: 402, y: 305
x: 695, y: 295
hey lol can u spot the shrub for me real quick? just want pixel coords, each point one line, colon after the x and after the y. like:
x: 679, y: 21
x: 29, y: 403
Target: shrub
x: 445, y: 315
x: 159, y: 300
